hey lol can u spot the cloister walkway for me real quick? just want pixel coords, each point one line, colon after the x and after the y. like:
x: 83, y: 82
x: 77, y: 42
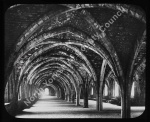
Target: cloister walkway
x: 53, y: 107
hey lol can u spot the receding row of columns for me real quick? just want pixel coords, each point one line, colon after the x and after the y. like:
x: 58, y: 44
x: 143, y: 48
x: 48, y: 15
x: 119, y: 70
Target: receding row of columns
x: 27, y: 90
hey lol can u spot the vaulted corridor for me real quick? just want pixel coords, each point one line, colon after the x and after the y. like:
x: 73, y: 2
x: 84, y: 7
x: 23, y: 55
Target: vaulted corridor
x: 53, y: 107
x: 89, y: 59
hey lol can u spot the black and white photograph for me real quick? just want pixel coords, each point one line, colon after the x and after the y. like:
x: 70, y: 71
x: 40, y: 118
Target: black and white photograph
x: 75, y: 61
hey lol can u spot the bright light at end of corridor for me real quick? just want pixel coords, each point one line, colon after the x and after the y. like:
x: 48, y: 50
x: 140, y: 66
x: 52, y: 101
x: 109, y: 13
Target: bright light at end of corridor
x: 46, y: 91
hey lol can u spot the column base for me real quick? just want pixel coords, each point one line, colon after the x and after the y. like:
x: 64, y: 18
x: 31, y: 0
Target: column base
x: 78, y: 105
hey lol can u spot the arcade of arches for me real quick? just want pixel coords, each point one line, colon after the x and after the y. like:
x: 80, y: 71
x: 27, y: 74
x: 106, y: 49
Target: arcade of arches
x: 63, y: 50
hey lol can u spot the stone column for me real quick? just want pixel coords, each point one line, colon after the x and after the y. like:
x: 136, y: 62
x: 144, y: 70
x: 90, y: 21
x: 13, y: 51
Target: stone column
x: 78, y: 97
x: 86, y: 96
x: 125, y: 100
x: 8, y: 92
x: 97, y: 99
x: 111, y: 89
x: 100, y: 100
x: 73, y: 97
x: 27, y: 90
x: 14, y: 104
x: 23, y: 91
x: 101, y: 84
x: 67, y: 97
x: 11, y: 90
x: 30, y: 91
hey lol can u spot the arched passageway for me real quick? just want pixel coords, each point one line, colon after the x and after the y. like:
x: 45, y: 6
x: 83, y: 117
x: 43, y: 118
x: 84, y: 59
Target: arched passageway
x: 90, y: 55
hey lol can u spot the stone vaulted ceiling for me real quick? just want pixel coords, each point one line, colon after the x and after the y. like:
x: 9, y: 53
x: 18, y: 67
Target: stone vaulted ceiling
x: 123, y: 34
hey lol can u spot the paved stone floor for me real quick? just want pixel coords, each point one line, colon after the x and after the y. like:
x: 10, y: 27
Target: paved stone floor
x: 53, y: 107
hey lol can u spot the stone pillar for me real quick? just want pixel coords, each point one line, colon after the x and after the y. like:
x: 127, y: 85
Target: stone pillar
x: 142, y: 86
x: 78, y: 98
x: 125, y: 100
x: 22, y: 92
x: 67, y: 97
x: 57, y: 94
x: 73, y: 97
x: 86, y: 96
x: 143, y: 90
x: 31, y: 90
x: 111, y: 89
x: 97, y: 99
x: 60, y: 93
x: 28, y: 90
x: 13, y: 105
x: 101, y: 85
x: 11, y: 90
x: 136, y: 90
x: 8, y: 91
x: 30, y: 93
x: 100, y: 100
